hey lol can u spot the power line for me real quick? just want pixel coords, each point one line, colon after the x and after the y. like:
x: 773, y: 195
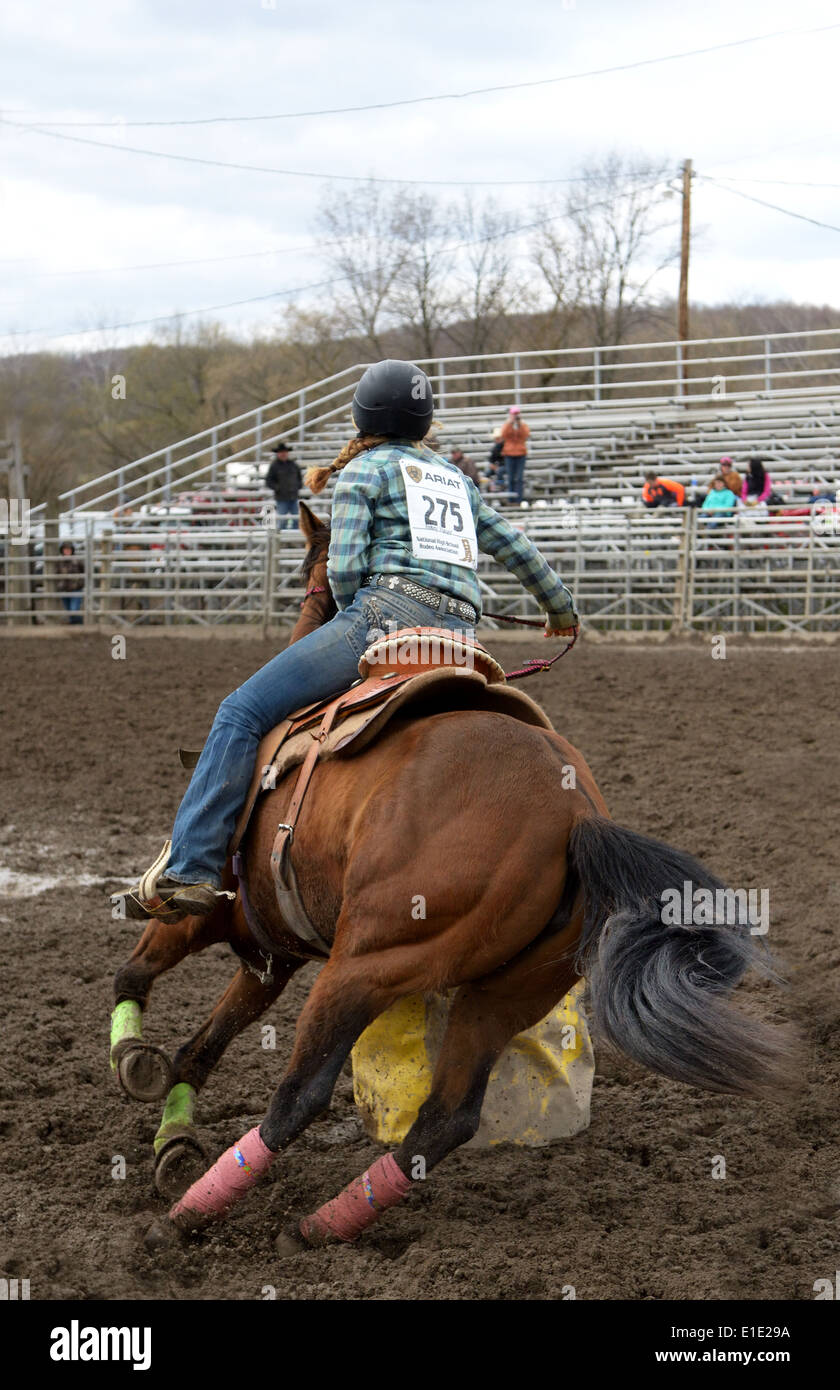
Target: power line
x: 170, y: 265
x: 460, y: 96
x: 310, y: 249
x: 286, y: 173
x: 789, y: 212
x: 54, y: 334
x: 164, y: 318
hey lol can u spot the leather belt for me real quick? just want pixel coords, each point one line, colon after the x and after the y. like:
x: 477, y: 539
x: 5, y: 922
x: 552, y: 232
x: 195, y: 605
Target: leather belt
x: 421, y: 593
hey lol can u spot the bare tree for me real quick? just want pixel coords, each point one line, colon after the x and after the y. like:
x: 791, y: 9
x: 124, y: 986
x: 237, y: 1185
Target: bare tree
x: 422, y: 295
x: 365, y: 250
x: 616, y: 226
x: 488, y: 289
x: 557, y: 308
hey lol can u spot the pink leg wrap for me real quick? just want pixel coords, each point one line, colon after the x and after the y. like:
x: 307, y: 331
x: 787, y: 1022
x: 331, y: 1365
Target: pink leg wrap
x: 225, y: 1183
x: 359, y: 1205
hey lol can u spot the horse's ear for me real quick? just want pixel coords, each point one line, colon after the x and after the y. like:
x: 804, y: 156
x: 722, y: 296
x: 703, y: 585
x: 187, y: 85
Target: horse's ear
x: 310, y: 524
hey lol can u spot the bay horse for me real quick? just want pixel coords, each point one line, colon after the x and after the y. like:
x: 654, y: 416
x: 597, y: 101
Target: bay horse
x: 528, y: 886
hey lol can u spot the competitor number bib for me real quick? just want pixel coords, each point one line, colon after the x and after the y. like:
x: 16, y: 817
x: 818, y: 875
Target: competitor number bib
x: 439, y: 514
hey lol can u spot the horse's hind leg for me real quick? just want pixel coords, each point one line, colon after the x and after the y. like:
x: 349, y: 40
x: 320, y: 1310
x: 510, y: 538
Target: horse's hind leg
x: 144, y: 1071
x: 180, y: 1156
x: 484, y: 1016
x: 347, y: 995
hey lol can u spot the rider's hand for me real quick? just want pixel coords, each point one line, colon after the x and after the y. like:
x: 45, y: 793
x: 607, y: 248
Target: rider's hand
x: 561, y: 631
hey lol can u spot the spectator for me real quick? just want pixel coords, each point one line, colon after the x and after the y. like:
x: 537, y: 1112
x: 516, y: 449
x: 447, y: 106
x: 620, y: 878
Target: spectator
x: 662, y: 492
x: 757, y: 485
x: 284, y: 479
x: 720, y: 497
x: 514, y: 437
x: 460, y: 460
x: 731, y: 477
x: 821, y: 493
x: 71, y: 581
x: 494, y: 460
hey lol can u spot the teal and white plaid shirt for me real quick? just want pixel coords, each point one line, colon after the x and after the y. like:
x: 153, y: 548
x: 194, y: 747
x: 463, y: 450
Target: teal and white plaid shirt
x: 371, y: 535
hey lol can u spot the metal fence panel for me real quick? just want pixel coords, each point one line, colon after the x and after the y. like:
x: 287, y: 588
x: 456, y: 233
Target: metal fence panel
x: 629, y: 569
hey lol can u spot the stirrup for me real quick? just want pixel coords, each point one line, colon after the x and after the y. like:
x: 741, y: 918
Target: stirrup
x: 148, y: 881
x: 145, y: 902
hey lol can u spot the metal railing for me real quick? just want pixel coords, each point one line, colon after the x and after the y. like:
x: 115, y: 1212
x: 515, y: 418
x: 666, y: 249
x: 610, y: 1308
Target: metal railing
x: 628, y: 569
x: 719, y: 370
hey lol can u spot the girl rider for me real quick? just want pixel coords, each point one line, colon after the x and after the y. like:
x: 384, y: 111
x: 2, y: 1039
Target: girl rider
x: 393, y: 558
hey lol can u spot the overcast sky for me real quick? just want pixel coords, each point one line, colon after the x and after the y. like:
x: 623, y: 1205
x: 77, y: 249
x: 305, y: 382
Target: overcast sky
x: 74, y: 216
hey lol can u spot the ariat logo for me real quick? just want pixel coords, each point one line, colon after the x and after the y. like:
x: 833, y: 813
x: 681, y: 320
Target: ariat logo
x: 468, y: 555
x: 414, y: 473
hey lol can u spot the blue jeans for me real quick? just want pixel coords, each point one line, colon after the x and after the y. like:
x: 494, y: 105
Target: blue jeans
x: 72, y: 604
x: 515, y: 476
x: 321, y: 664
x: 285, y: 511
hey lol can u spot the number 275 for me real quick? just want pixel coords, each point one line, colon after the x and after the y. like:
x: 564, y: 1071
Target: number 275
x: 443, y: 503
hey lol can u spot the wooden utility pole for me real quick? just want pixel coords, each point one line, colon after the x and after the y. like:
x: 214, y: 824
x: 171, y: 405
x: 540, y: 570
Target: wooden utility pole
x: 682, y: 320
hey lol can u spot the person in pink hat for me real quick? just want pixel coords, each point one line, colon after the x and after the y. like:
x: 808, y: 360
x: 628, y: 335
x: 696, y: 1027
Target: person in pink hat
x: 514, y: 437
x: 731, y: 477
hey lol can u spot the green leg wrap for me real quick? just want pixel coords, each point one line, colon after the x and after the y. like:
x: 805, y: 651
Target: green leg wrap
x: 177, y: 1114
x: 126, y: 1022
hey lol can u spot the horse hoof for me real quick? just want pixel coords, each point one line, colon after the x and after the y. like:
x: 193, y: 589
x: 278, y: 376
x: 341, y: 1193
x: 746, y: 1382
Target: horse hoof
x: 191, y: 1222
x: 156, y: 1238
x: 179, y: 1165
x: 290, y: 1242
x: 144, y: 1071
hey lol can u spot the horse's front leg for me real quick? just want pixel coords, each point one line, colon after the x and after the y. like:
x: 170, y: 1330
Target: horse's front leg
x: 180, y: 1156
x: 144, y: 1071
x: 347, y: 995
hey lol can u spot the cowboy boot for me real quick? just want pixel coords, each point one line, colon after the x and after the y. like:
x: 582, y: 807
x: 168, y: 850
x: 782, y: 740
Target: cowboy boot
x: 167, y: 899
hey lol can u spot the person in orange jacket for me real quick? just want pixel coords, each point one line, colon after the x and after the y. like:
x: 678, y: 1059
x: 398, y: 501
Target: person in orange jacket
x: 662, y: 492
x: 514, y: 436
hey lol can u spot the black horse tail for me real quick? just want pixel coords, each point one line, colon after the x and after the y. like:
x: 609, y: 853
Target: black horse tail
x: 657, y: 991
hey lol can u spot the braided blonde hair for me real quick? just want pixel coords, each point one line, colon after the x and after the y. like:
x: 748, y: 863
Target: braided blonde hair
x: 317, y: 478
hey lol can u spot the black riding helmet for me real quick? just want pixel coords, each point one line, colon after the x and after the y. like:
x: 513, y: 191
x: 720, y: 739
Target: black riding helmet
x: 394, y: 398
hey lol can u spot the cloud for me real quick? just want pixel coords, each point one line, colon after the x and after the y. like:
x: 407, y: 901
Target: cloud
x: 763, y: 110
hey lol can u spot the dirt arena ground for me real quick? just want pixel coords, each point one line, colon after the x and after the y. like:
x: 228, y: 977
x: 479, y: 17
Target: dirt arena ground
x: 737, y: 760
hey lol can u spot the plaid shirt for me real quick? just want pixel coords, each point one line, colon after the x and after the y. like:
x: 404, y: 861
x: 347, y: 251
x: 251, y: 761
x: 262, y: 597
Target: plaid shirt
x: 371, y: 535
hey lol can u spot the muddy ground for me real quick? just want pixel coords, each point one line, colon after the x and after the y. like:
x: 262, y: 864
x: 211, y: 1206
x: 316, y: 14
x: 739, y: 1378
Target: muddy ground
x: 737, y: 760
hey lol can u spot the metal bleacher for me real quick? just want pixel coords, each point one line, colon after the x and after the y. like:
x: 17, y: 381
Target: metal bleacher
x: 188, y: 533
x: 599, y: 418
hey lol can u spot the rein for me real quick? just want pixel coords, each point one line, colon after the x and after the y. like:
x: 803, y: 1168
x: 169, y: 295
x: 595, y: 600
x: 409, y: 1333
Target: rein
x: 537, y: 663
x: 314, y: 589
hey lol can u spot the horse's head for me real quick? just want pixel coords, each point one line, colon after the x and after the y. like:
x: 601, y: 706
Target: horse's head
x: 318, y: 605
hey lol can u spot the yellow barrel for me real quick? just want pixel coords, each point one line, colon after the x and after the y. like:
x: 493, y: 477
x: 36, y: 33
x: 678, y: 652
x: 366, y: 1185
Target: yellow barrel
x: 538, y: 1091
